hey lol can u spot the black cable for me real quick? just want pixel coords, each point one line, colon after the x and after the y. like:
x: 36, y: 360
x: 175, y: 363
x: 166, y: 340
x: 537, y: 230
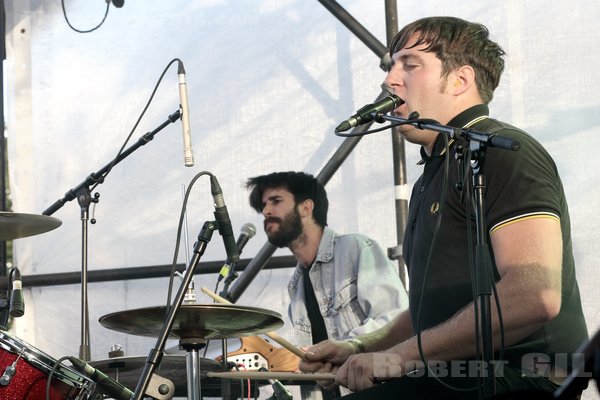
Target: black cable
x: 52, y: 371
x: 102, y: 178
x: 179, y: 229
x: 62, y: 2
x: 413, y: 118
x: 427, y: 265
x: 354, y: 134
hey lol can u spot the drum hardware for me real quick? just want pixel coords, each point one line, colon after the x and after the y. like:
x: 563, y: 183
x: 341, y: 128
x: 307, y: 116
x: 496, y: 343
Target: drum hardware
x: 27, y: 372
x: 116, y: 351
x: 105, y: 384
x: 192, y: 324
x: 192, y: 346
x: 9, y: 372
x: 126, y: 370
x: 292, y: 376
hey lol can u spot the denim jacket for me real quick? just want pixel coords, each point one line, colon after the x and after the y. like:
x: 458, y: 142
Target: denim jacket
x: 357, y: 287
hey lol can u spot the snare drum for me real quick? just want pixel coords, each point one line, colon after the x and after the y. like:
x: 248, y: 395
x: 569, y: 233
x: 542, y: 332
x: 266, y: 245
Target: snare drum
x: 32, y: 368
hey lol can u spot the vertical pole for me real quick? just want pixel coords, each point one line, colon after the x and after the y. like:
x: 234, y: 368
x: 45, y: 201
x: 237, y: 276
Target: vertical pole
x: 3, y: 160
x: 401, y: 191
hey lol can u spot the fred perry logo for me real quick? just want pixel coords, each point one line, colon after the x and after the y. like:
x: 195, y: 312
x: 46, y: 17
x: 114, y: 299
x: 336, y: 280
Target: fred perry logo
x: 435, y: 207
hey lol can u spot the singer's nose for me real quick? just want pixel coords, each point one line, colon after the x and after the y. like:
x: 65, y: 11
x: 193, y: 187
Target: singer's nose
x: 393, y: 79
x: 267, y: 210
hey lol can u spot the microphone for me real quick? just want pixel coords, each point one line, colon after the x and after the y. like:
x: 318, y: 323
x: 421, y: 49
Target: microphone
x: 365, y: 114
x: 248, y: 232
x: 223, y: 221
x: 185, y: 117
x: 17, y: 302
x: 105, y: 383
x: 118, y: 3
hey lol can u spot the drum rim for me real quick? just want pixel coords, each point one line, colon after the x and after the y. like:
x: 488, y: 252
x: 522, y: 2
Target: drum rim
x: 45, y: 362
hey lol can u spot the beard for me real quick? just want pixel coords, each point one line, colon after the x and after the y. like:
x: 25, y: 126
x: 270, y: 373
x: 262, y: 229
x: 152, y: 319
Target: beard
x: 290, y: 227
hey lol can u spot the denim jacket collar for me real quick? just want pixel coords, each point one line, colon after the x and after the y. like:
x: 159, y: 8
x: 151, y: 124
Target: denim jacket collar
x: 325, y: 251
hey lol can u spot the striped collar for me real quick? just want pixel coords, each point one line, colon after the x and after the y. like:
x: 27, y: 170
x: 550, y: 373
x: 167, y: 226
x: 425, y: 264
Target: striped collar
x: 466, y: 119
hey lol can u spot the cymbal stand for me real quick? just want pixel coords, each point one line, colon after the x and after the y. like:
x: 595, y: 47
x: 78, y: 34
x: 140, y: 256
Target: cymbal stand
x: 225, y: 383
x: 191, y: 345
x: 82, y: 193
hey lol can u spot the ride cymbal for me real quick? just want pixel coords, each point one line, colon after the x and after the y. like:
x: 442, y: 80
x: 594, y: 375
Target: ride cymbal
x: 19, y: 225
x: 195, y: 321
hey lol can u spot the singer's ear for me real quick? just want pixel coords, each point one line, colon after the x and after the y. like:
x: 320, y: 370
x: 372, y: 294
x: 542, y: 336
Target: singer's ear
x: 305, y: 208
x: 462, y: 80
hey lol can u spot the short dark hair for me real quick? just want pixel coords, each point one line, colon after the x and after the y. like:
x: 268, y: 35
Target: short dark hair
x: 457, y: 42
x: 302, y: 186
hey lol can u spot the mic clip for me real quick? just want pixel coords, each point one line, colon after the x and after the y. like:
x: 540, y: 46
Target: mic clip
x: 231, y: 277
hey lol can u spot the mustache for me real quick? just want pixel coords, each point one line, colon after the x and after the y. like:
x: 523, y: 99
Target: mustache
x: 271, y: 219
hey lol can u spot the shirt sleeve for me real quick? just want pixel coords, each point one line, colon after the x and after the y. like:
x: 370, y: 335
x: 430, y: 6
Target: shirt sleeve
x: 379, y: 289
x: 521, y: 183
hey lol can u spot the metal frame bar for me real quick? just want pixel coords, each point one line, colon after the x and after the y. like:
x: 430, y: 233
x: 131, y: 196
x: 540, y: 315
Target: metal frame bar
x: 264, y: 257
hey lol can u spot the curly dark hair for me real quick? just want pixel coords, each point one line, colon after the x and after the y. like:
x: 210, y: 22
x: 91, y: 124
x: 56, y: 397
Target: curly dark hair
x: 303, y: 186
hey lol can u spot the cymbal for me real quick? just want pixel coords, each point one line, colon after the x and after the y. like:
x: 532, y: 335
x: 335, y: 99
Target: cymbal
x: 195, y: 321
x: 127, y: 370
x: 171, y: 366
x: 18, y: 225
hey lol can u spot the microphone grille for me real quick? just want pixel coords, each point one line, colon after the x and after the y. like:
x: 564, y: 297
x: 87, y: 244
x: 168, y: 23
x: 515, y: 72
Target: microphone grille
x: 249, y: 229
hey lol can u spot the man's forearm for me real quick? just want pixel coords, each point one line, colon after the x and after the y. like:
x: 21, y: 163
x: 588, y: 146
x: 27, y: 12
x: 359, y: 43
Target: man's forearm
x: 397, y: 330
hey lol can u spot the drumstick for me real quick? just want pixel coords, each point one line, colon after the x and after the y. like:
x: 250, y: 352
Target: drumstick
x: 273, y: 335
x: 272, y: 375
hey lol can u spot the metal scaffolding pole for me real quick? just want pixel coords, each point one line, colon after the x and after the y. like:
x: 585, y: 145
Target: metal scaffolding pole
x: 263, y: 256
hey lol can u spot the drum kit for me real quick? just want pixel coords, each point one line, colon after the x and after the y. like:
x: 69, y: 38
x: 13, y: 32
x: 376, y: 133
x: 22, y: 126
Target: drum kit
x: 27, y: 373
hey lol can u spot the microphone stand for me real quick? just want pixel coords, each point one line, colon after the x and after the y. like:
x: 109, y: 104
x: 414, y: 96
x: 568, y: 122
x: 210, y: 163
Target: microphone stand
x: 83, y: 194
x: 155, y: 355
x: 483, y: 279
x: 225, y: 383
x: 5, y: 305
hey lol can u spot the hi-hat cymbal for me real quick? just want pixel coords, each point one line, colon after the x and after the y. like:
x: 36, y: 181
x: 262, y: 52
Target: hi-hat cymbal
x: 127, y: 370
x: 18, y: 225
x: 196, y: 321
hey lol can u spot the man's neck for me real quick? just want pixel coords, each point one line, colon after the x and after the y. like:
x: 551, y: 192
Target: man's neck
x: 305, y: 247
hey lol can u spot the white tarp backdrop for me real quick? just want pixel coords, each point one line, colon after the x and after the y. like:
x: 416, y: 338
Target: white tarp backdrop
x: 268, y: 80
